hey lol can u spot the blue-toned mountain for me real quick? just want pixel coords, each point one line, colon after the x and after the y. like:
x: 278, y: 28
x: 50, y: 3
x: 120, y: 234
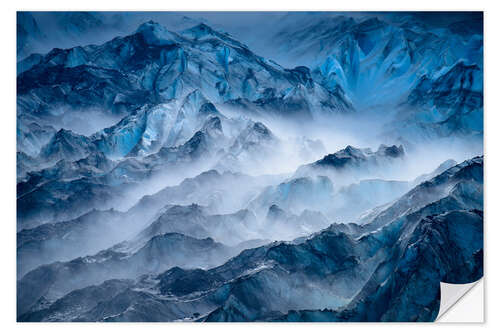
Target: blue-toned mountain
x: 353, y: 271
x: 155, y: 65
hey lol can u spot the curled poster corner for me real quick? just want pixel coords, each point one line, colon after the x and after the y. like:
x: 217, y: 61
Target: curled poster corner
x: 455, y: 302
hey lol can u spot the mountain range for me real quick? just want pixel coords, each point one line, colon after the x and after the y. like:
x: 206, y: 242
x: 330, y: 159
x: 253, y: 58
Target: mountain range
x: 168, y: 169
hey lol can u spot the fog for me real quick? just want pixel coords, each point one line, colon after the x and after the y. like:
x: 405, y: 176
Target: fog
x: 86, y: 122
x: 319, y: 170
x: 200, y: 213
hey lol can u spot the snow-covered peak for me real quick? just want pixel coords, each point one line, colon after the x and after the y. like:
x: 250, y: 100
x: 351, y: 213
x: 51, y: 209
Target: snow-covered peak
x: 156, y: 34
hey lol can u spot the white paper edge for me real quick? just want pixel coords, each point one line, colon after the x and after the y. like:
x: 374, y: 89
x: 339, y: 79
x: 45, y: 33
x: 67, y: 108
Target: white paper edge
x: 462, y: 303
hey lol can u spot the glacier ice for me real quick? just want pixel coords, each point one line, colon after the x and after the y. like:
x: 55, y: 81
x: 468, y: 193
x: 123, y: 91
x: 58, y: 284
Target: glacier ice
x: 274, y: 167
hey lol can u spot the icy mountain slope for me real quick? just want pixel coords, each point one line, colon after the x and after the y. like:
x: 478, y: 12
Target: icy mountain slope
x: 155, y: 65
x: 296, y: 195
x: 374, y: 61
x: 352, y: 53
x: 50, y: 242
x: 464, y: 179
x: 159, y: 253
x: 151, y: 155
x: 450, y: 222
x: 449, y: 103
x: 266, y: 282
x: 406, y: 286
x: 191, y: 143
x: 93, y: 231
x: 352, y: 164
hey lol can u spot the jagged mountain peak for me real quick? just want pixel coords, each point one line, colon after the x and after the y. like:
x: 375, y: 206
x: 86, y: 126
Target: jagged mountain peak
x: 213, y: 126
x: 392, y: 151
x: 302, y: 74
x: 275, y: 212
x: 66, y: 144
x: 155, y: 65
x: 196, y: 102
x: 202, y: 31
x: 350, y: 155
x: 65, y: 134
x: 156, y: 34
x: 349, y: 164
x: 199, y: 31
x: 342, y: 157
x: 261, y: 129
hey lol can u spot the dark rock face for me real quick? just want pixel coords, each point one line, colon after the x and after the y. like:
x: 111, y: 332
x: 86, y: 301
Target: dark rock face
x: 392, y: 151
x: 351, y: 156
x: 302, y: 74
x: 352, y: 164
x: 275, y: 212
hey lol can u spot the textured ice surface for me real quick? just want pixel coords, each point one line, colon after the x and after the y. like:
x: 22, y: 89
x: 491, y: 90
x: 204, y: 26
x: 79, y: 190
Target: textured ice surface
x: 177, y: 167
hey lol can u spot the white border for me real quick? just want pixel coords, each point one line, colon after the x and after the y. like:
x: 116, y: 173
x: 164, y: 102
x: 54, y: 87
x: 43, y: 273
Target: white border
x: 467, y: 305
x: 7, y: 164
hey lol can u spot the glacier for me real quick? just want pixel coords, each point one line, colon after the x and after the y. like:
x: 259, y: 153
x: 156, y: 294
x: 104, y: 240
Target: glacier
x: 270, y: 167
